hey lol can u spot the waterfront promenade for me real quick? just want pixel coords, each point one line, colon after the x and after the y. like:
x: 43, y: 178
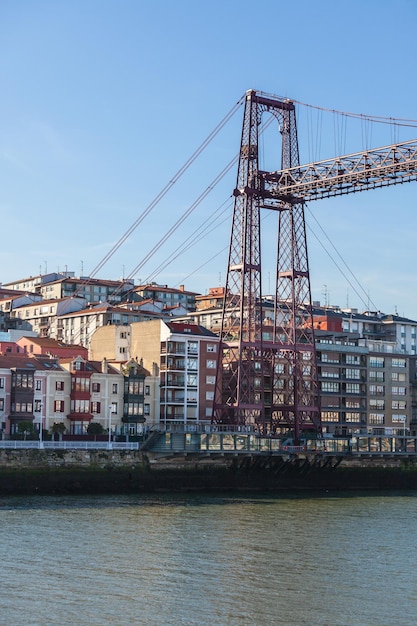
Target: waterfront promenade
x: 224, y: 443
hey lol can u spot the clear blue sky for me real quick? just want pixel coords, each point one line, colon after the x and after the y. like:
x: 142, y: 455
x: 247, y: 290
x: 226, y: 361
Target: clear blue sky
x: 104, y: 101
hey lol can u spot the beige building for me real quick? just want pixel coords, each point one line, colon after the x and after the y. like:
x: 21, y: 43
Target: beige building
x: 182, y: 356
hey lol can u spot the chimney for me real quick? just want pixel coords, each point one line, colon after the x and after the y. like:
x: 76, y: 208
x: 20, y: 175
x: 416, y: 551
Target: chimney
x: 104, y: 366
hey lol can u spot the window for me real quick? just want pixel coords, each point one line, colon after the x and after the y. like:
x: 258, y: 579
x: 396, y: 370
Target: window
x: 352, y: 416
x: 330, y: 416
x: 330, y: 387
x: 210, y: 380
x: 211, y: 364
x: 376, y: 418
x: 147, y: 390
x: 352, y: 359
x: 329, y: 358
x: 376, y: 361
x: 58, y: 406
x: 398, y: 391
x: 376, y: 390
x: 80, y: 383
x: 59, y: 385
x: 399, y: 418
x: 209, y: 395
x: 78, y: 428
x: 398, y: 362
x: 114, y: 388
x: 38, y: 406
x: 327, y: 372
x: 377, y: 376
x: 353, y: 373
x: 1, y: 383
x: 1, y: 404
x: 81, y: 406
x: 22, y: 407
x: 377, y: 403
x: 96, y: 407
x: 95, y: 387
x: 38, y: 385
x: 398, y: 376
x: 211, y: 347
x: 135, y: 387
x: 22, y: 380
x: 352, y: 404
x: 147, y: 409
x: 399, y: 404
x: 192, y: 380
x: 352, y: 388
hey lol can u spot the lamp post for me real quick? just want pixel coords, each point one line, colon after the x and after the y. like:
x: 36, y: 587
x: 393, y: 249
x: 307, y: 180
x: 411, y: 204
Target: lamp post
x: 110, y: 412
x: 40, y: 427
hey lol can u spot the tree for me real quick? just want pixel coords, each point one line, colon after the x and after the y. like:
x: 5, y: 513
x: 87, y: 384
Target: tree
x: 58, y: 428
x: 27, y: 430
x: 95, y: 428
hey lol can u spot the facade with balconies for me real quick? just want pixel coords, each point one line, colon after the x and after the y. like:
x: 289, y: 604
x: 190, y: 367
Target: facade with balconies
x: 182, y: 356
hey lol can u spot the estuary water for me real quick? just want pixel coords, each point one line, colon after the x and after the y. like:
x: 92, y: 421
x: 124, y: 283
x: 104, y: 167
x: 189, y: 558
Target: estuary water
x: 327, y: 560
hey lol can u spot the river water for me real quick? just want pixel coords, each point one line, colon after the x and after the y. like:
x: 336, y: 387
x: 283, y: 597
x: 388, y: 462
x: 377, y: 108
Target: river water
x: 210, y: 560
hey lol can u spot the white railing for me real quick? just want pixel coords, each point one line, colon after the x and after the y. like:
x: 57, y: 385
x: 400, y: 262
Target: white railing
x: 69, y: 445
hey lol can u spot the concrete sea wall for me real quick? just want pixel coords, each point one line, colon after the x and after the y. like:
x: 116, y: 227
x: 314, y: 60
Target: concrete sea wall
x: 24, y: 472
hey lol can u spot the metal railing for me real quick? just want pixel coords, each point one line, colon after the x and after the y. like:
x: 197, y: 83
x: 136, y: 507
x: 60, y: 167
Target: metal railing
x: 69, y: 445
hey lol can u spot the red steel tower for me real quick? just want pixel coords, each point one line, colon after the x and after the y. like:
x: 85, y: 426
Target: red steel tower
x: 267, y: 378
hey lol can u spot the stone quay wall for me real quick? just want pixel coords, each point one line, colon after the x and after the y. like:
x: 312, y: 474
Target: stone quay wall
x: 45, y: 472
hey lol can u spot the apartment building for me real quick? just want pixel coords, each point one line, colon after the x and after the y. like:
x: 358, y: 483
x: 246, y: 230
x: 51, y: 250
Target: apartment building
x: 67, y: 394
x: 136, y: 397
x: 50, y: 347
x: 42, y: 316
x: 65, y: 285
x: 92, y: 290
x: 181, y: 355
x: 365, y: 386
x: 169, y: 296
x: 79, y: 326
x: 96, y: 393
x: 34, y: 283
x: 27, y: 391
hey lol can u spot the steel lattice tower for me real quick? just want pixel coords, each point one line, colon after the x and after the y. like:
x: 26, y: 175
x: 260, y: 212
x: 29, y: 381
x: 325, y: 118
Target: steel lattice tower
x: 267, y: 382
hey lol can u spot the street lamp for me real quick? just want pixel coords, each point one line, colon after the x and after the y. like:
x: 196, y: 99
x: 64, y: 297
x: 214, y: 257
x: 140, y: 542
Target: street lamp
x: 40, y: 427
x: 110, y: 412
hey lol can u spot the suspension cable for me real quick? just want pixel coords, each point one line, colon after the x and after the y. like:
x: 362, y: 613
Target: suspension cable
x: 342, y: 259
x: 195, y: 237
x: 168, y: 186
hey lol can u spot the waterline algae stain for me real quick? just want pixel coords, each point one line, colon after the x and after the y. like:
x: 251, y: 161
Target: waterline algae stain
x: 43, y: 472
